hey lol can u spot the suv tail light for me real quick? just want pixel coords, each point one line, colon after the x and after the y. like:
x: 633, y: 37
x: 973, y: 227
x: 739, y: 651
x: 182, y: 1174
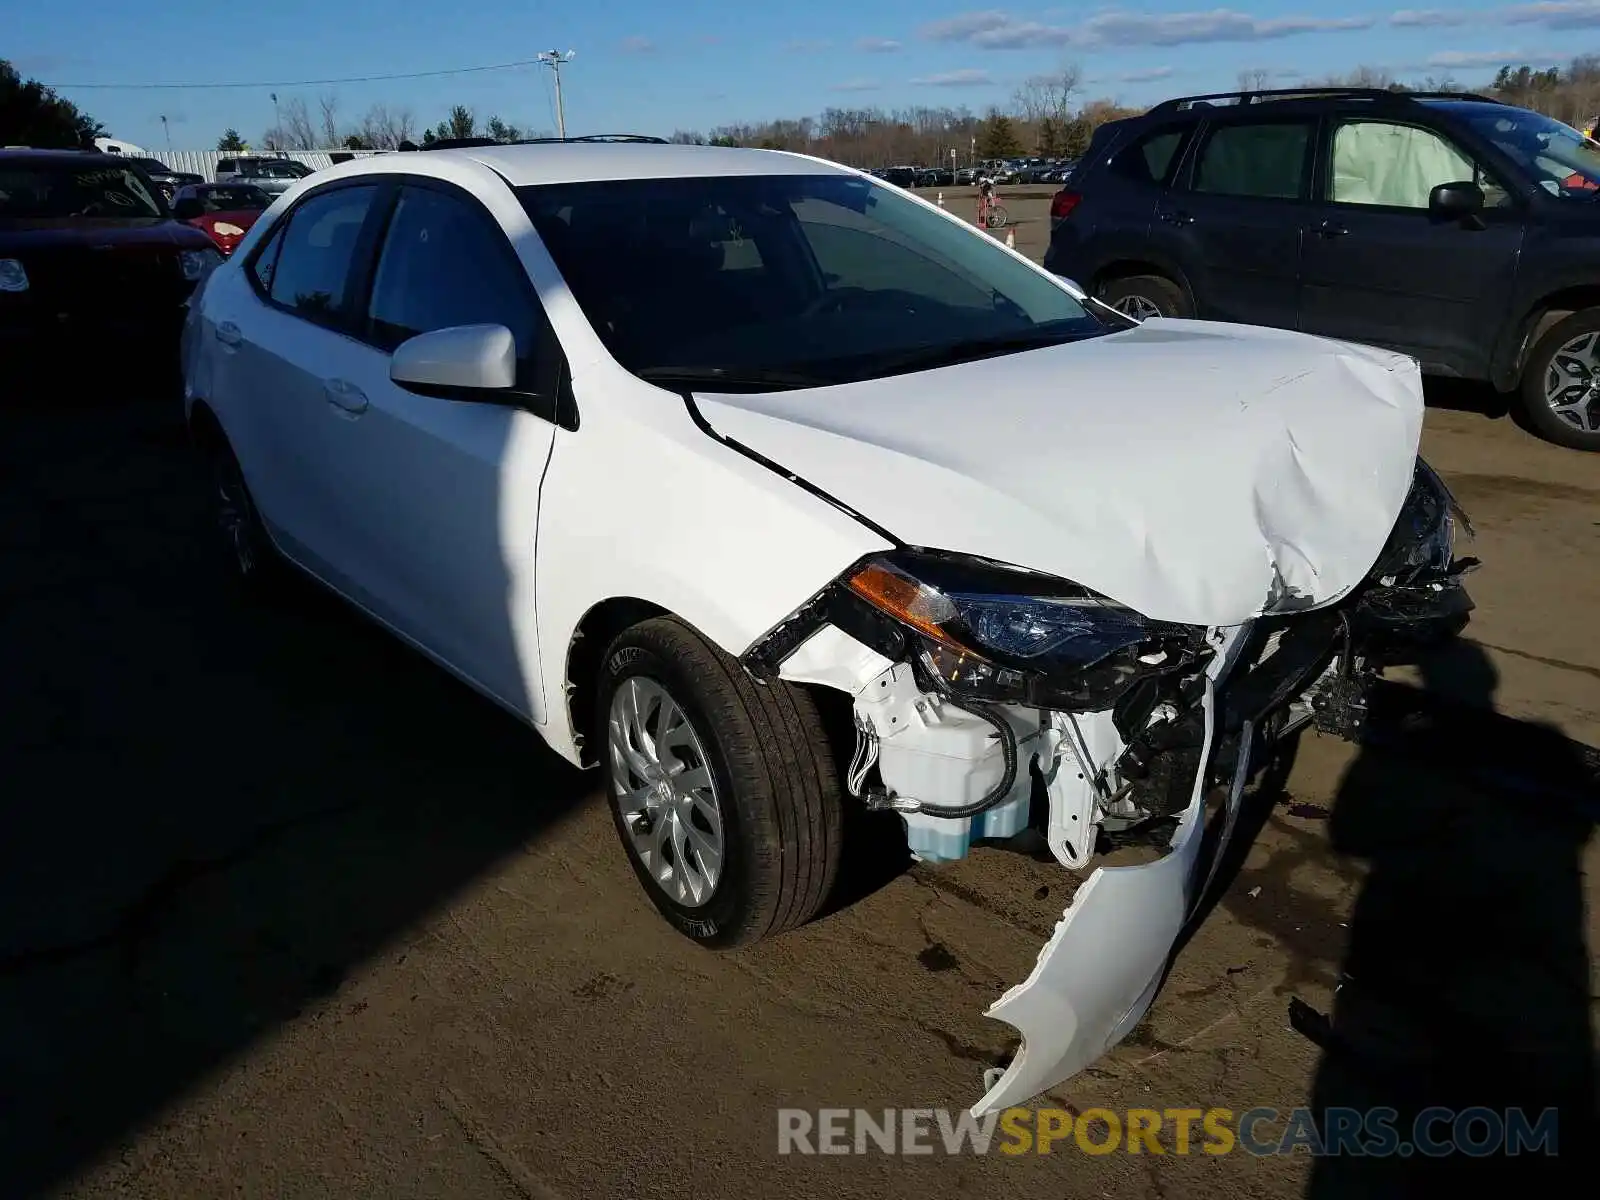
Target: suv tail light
x: 1063, y: 204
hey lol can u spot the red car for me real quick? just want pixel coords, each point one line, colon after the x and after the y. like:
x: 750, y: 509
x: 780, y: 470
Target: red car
x: 223, y: 211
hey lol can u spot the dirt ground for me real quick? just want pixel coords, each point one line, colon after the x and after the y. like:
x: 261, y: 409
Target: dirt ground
x: 285, y: 911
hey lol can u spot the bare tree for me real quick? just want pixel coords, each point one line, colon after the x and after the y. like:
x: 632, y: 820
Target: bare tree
x: 1050, y: 95
x: 1256, y: 79
x: 384, y: 128
x: 329, y: 105
x: 295, y: 125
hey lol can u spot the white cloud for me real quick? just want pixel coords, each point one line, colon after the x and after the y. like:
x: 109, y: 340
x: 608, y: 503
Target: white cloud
x: 856, y: 85
x: 996, y: 30
x: 1429, y: 18
x: 1489, y: 58
x: 637, y: 45
x: 878, y: 45
x: 1556, y: 14
x: 964, y: 78
x: 1143, y: 75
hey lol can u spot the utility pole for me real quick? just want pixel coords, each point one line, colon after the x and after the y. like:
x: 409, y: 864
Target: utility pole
x: 168, y: 133
x: 277, y: 125
x: 555, y: 60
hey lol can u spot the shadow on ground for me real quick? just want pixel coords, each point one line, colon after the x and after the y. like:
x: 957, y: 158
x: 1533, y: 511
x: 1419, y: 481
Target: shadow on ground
x: 215, y: 811
x: 1465, y: 982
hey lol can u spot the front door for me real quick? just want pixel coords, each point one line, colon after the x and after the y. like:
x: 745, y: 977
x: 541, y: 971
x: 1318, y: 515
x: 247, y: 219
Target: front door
x: 441, y: 496
x: 1379, y: 268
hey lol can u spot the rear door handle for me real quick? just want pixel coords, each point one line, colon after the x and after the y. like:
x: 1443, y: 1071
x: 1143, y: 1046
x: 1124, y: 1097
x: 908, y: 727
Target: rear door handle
x: 343, y: 394
x: 228, y: 334
x: 1331, y: 229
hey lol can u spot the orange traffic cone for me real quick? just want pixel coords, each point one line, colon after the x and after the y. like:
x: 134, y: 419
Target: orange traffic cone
x: 941, y: 199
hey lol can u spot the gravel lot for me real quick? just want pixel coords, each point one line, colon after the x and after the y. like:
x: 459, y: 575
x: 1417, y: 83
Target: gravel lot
x: 286, y: 911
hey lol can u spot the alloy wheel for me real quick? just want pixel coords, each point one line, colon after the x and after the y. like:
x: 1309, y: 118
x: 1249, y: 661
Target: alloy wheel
x: 665, y: 791
x: 1140, y: 308
x: 1572, y: 382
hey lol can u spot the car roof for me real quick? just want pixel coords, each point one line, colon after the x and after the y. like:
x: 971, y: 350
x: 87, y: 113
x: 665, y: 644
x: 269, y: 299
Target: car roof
x: 589, y: 162
x: 28, y: 155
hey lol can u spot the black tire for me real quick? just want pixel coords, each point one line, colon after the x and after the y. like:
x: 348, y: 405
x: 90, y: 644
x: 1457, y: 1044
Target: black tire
x: 778, y: 791
x: 1168, y: 298
x: 246, y: 548
x: 1535, y: 408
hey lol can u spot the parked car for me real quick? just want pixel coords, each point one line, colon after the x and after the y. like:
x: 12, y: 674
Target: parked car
x: 224, y: 212
x: 673, y: 452
x: 272, y: 175
x: 1456, y: 229
x: 88, y: 251
x: 903, y: 177
x: 163, y: 176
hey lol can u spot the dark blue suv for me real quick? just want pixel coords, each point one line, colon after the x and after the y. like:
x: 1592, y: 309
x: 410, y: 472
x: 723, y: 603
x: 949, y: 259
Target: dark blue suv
x: 1451, y: 227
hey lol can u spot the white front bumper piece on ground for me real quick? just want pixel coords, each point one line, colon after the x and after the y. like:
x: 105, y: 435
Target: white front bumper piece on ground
x: 1097, y: 975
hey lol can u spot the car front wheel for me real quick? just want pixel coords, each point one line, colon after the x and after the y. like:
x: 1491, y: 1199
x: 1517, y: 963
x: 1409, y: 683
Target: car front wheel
x: 1561, y: 384
x: 723, y: 791
x: 1144, y: 296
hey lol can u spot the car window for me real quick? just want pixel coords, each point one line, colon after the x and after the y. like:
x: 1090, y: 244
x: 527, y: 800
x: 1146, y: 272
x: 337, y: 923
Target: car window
x: 1397, y: 166
x: 1150, y: 158
x: 1264, y: 159
x: 224, y: 164
x: 444, y: 263
x: 313, y: 265
x: 760, y: 281
x: 266, y: 259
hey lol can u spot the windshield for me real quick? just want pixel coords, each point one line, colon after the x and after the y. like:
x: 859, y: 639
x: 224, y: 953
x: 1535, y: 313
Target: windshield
x: 764, y: 282
x: 232, y: 199
x: 281, y: 170
x: 1559, y: 158
x: 39, y: 191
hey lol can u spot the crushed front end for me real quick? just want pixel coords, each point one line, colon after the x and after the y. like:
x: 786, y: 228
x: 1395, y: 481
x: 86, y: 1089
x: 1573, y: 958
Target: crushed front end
x: 990, y: 700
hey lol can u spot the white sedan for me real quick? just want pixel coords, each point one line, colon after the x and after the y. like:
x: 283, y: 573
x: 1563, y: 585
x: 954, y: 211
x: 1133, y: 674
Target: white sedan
x: 769, y: 489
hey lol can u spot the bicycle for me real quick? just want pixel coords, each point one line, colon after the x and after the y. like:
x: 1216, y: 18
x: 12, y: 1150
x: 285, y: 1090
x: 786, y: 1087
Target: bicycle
x: 992, y: 214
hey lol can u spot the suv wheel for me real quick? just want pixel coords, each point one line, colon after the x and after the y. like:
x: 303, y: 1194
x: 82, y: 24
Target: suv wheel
x: 724, y: 791
x: 1561, y: 382
x: 247, y: 548
x: 1144, y: 296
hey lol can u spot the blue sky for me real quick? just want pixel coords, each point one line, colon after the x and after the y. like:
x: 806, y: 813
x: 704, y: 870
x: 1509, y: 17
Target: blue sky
x: 653, y: 67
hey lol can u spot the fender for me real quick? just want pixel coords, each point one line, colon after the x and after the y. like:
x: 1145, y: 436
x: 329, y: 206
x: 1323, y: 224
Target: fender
x: 644, y: 504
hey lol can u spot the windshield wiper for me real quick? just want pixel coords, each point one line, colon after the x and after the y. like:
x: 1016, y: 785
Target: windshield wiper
x: 732, y: 379
x: 928, y: 357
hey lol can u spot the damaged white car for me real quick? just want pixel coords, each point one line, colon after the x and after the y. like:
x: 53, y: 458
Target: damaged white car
x: 769, y: 490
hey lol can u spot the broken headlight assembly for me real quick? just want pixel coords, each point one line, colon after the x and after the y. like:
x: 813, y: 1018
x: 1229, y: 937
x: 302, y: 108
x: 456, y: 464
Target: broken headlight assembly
x: 998, y: 634
x: 1423, y: 539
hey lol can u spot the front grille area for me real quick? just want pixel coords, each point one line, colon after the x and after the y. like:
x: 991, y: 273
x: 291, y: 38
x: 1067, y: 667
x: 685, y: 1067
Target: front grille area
x: 86, y: 282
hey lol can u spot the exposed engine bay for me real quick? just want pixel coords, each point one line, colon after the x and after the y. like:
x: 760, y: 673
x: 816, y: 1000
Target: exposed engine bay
x: 989, y: 701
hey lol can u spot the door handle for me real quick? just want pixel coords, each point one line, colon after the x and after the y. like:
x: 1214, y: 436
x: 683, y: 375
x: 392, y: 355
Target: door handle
x: 343, y: 394
x: 228, y: 334
x: 1331, y: 229
x: 1177, y: 218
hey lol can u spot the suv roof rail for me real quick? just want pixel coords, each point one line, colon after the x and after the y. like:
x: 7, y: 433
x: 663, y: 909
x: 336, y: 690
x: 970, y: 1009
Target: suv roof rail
x: 1312, y: 92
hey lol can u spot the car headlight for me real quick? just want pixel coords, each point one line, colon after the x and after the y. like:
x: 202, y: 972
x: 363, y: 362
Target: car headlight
x: 1423, y: 538
x: 987, y: 631
x: 197, y: 264
x: 13, y: 278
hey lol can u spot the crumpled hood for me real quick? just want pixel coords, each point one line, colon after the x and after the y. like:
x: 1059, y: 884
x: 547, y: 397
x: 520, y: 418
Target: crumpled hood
x: 1194, y: 471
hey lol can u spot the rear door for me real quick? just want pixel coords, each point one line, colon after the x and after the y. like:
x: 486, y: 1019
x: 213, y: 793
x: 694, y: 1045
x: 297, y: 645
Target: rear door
x: 282, y: 346
x: 1235, y: 219
x: 1379, y: 268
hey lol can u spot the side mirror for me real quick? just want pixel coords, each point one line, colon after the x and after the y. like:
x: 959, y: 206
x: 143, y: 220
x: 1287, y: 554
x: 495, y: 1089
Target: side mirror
x: 1456, y: 201
x: 464, y: 362
x: 188, y: 209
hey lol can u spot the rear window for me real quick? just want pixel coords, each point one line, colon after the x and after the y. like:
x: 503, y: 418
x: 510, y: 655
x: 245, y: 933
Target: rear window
x: 52, y: 191
x: 1261, y: 159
